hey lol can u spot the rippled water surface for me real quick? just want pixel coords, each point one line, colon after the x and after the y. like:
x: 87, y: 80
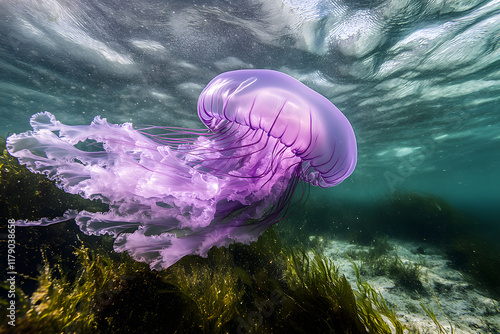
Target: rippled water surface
x: 419, y: 81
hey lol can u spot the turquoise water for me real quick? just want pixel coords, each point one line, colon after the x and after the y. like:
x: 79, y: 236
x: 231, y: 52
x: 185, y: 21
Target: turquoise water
x: 419, y: 82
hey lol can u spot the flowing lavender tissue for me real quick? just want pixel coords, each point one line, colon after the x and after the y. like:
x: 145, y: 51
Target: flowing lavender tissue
x: 184, y: 191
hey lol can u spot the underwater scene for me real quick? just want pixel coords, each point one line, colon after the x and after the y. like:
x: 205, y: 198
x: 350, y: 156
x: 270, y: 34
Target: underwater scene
x: 258, y: 166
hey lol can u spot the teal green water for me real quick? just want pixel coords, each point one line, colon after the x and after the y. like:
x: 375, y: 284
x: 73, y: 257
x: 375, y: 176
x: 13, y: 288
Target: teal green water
x: 419, y: 82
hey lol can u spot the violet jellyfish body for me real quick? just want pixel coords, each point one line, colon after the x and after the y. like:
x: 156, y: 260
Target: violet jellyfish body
x: 189, y: 190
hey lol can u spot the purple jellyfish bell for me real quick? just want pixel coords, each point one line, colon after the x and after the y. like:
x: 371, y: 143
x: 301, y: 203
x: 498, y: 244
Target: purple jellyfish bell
x: 186, y: 191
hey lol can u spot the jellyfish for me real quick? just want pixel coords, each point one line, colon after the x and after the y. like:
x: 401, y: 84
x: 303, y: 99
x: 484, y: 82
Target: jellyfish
x: 174, y: 191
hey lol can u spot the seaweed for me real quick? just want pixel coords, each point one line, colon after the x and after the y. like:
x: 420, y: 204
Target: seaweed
x: 25, y: 195
x: 263, y: 287
x: 246, y: 288
x: 378, y: 261
x: 326, y: 297
x: 368, y: 298
x: 59, y: 305
x: 23, y: 192
x: 431, y: 219
x: 211, y: 288
x: 107, y: 296
x: 406, y: 275
x: 430, y: 313
x: 320, y: 295
x: 422, y: 217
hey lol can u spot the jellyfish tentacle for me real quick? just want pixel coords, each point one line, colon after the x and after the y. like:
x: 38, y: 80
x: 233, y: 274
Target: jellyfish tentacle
x: 178, y: 191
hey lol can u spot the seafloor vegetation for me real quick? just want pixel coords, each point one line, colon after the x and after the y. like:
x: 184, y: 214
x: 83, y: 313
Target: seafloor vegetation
x: 258, y: 288
x: 470, y: 245
x: 72, y: 283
